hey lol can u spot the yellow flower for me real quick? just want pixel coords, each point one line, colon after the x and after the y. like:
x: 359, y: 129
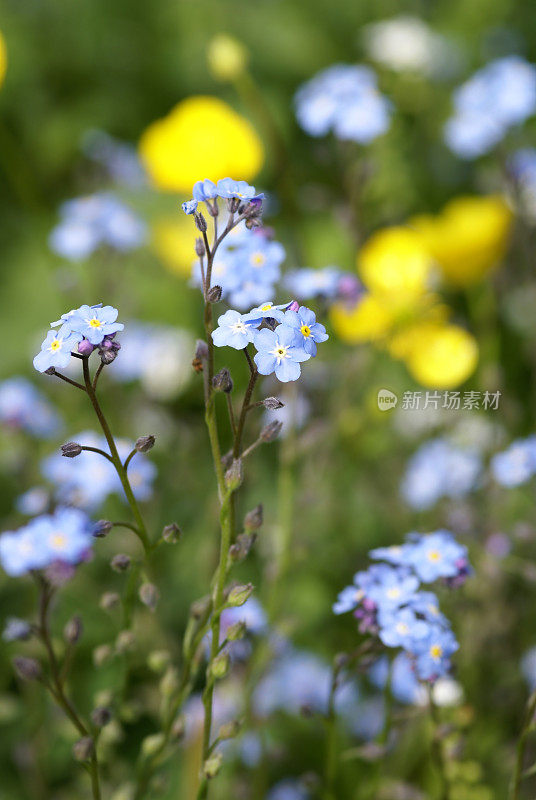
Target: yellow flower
x: 174, y: 242
x: 440, y: 356
x: 370, y: 321
x: 468, y: 238
x: 3, y: 59
x: 396, y: 261
x: 227, y: 57
x: 201, y: 137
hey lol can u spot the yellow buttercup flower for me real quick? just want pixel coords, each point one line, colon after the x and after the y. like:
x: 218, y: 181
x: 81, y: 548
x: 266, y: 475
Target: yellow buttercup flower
x: 201, y: 137
x: 174, y: 242
x: 3, y: 59
x: 370, y: 321
x: 227, y: 57
x: 441, y: 356
x: 468, y: 238
x: 396, y: 261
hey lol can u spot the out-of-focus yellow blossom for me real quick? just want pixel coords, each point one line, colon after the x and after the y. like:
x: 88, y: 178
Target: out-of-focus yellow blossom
x: 369, y: 321
x: 395, y: 261
x: 201, y: 137
x: 441, y: 356
x: 227, y: 57
x: 468, y: 238
x: 174, y: 242
x: 3, y: 59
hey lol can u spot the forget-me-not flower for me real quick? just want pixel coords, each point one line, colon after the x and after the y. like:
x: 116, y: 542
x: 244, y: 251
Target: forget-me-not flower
x: 517, y: 464
x: 437, y: 555
x: 56, y: 350
x: 233, y: 330
x: 22, y: 406
x: 93, y: 323
x: 279, y: 351
x: 310, y: 331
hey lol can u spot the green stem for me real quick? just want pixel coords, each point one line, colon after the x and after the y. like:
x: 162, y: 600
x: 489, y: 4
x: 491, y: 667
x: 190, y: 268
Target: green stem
x: 330, y: 770
x: 437, y: 750
x: 517, y: 777
x: 116, y: 460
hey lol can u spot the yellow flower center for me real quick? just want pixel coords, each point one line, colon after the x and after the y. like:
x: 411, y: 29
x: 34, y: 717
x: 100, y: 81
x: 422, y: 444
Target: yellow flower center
x: 436, y: 651
x: 95, y: 323
x: 266, y: 307
x: 258, y: 259
x: 55, y: 344
x: 394, y: 593
x: 305, y: 330
x: 58, y: 541
x: 402, y: 628
x: 434, y: 555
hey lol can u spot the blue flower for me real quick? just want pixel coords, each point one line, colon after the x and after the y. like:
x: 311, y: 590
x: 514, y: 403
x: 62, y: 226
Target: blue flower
x: 426, y: 605
x: 308, y: 283
x: 400, y: 627
x: 395, y: 554
x: 344, y: 99
x: 288, y: 789
x: 189, y: 207
x: 93, y: 322
x: 16, y: 630
x: 494, y: 99
x: 205, y: 190
x: 348, y: 599
x: 56, y: 350
x: 228, y: 188
x: 233, y: 330
x: 433, y: 653
x: 309, y: 330
x: 120, y: 159
x: 279, y: 351
x: 33, y: 501
x: 437, y: 555
x: 394, y: 588
x: 69, y: 537
x: 22, y: 550
x: 404, y: 684
x: 266, y: 311
x: 22, y: 406
x: 89, y: 222
x: 439, y: 469
x: 517, y: 464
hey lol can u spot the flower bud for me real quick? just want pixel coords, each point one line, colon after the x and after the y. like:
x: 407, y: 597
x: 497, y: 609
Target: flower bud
x: 16, y: 630
x: 240, y: 549
x: 102, y: 654
x: 272, y: 403
x: 158, y: 660
x: 109, y: 600
x: 85, y: 348
x: 102, y: 528
x: 234, y: 475
x: 120, y: 562
x: 73, y: 630
x: 253, y: 222
x: 222, y: 381
x: 178, y: 728
x: 199, y: 247
x: 212, y: 765
x: 294, y: 306
x: 253, y: 519
x: 219, y: 667
x: 200, y: 222
x: 229, y: 730
x: 171, y: 533
x: 236, y: 631
x: 101, y: 716
x: 149, y: 595
x: 125, y: 641
x: 145, y: 443
x: 71, y: 449
x: 170, y: 682
x: 227, y: 57
x: 107, y: 356
x: 83, y: 749
x: 201, y: 350
x: 271, y: 431
x: 200, y: 609
x: 214, y: 294
x: 239, y: 594
x: 151, y: 745
x: 27, y: 668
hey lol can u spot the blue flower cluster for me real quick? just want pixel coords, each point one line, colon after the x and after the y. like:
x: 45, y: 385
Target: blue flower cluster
x: 517, y: 464
x: 328, y: 284
x: 86, y: 481
x: 226, y: 188
x: 96, y: 220
x: 64, y: 536
x: 388, y: 602
x: 343, y: 98
x: 280, y: 349
x: 119, y: 159
x: 247, y: 266
x: 23, y: 407
x: 81, y: 329
x: 494, y: 99
x: 440, y: 469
